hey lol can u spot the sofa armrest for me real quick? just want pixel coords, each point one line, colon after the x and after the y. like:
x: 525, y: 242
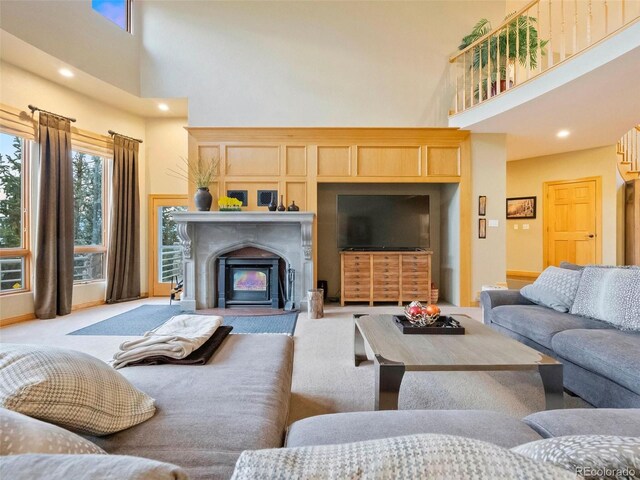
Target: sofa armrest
x: 490, y: 299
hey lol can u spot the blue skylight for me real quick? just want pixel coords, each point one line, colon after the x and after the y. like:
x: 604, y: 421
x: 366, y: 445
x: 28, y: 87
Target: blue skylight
x: 114, y: 10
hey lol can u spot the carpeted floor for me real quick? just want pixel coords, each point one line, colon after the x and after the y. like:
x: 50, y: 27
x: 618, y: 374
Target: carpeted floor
x: 325, y: 379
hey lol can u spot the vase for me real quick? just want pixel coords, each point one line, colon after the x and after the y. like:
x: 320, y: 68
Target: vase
x: 293, y: 207
x: 203, y: 199
x: 281, y: 207
x: 273, y: 204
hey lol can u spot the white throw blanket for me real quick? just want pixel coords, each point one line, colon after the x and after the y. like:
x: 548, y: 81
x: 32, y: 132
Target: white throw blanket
x: 176, y: 338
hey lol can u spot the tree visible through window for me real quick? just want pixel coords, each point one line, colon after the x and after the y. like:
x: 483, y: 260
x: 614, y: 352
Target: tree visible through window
x: 13, y: 235
x: 88, y: 191
x: 115, y: 10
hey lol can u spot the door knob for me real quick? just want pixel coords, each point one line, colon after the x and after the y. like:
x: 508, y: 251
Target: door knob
x: 591, y: 235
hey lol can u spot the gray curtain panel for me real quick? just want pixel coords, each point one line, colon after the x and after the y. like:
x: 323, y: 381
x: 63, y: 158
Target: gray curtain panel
x: 123, y: 269
x: 54, y: 232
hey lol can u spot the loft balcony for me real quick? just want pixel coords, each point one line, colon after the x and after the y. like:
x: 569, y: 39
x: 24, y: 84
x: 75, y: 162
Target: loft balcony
x: 553, y: 65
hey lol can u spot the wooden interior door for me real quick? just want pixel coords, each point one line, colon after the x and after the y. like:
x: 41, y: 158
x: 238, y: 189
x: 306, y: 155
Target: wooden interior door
x: 165, y: 252
x: 572, y: 222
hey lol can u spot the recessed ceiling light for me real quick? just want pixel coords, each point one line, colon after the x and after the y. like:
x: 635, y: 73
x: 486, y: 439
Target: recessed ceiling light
x: 562, y: 134
x: 65, y: 72
x: 164, y: 107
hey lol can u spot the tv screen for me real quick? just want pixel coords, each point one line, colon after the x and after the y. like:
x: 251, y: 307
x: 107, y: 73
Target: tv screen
x: 383, y: 221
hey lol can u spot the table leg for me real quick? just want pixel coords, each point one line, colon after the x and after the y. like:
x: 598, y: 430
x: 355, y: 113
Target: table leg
x: 388, y: 380
x: 359, y: 351
x: 552, y: 382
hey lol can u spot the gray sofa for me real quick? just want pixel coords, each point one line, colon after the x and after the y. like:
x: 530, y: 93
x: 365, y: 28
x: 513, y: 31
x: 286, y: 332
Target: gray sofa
x: 207, y: 415
x: 488, y: 426
x: 601, y: 363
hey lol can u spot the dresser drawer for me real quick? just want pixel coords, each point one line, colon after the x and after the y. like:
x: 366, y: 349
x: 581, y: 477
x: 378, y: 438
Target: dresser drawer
x: 355, y: 291
x: 417, y: 294
x: 415, y: 260
x: 386, y: 296
x: 386, y: 278
x: 356, y: 259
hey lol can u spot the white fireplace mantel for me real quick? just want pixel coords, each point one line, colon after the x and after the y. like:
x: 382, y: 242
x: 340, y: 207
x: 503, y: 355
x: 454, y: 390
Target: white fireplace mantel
x: 207, y: 235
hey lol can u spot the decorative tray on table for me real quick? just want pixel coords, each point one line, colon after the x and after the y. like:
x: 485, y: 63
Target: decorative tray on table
x: 443, y: 326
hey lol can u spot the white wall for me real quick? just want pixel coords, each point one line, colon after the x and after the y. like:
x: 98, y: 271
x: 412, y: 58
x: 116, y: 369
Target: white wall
x: 306, y: 63
x: 73, y: 32
x: 20, y: 88
x: 488, y: 178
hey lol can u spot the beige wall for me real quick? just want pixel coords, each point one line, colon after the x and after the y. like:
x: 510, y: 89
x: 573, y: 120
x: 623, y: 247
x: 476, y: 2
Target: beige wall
x: 20, y: 88
x: 328, y: 252
x: 526, y: 177
x: 336, y: 64
x: 489, y: 178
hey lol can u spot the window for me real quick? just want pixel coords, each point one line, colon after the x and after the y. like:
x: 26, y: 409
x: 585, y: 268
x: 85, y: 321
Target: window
x: 118, y: 11
x: 14, y: 225
x: 89, y: 224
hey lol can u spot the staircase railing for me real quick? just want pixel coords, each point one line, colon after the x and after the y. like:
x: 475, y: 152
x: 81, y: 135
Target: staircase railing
x: 628, y: 154
x: 531, y: 41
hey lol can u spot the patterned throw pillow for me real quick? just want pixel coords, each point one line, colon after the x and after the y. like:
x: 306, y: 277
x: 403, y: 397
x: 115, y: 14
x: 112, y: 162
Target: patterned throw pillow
x: 69, y: 388
x: 22, y: 434
x: 590, y: 456
x: 610, y: 294
x: 415, y: 457
x: 555, y: 288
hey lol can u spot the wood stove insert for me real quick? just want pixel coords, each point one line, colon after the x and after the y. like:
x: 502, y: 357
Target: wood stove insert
x: 248, y: 282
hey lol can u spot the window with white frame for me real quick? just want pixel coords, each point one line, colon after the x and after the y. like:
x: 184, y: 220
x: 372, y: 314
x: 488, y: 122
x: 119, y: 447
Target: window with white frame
x: 14, y: 221
x: 89, y: 217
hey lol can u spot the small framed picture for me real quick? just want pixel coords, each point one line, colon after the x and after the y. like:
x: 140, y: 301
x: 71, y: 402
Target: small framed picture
x: 265, y: 197
x: 521, y: 207
x: 482, y: 205
x: 482, y: 228
x: 239, y: 195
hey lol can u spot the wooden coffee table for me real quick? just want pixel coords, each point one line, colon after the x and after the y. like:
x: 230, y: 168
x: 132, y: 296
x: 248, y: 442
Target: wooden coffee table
x: 479, y: 349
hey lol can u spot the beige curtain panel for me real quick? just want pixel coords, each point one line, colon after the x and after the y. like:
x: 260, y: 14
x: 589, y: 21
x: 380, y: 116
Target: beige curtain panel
x: 123, y: 269
x: 54, y: 231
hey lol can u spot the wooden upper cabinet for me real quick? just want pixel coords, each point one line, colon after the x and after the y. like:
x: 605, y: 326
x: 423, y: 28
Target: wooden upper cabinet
x: 443, y: 161
x: 389, y: 161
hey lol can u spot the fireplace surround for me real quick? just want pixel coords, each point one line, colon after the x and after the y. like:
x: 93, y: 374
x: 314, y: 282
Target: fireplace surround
x: 208, y: 236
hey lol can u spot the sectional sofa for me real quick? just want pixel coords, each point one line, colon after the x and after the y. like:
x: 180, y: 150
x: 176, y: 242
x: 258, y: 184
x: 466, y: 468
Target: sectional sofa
x: 601, y: 362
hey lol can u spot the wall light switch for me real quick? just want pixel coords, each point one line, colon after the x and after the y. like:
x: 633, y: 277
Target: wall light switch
x: 515, y: 226
x: 525, y: 226
x: 494, y: 223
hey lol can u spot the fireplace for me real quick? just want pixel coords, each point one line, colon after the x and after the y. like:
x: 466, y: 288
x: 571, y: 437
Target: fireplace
x: 248, y: 282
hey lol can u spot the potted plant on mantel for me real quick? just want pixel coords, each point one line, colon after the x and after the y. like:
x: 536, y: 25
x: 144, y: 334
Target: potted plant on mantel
x: 200, y: 173
x: 521, y: 48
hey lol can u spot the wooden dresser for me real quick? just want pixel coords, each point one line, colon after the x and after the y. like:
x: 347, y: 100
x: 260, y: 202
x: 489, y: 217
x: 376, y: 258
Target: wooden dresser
x: 385, y: 276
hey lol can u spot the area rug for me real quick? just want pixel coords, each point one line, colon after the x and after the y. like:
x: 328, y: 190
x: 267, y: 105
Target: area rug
x: 147, y: 317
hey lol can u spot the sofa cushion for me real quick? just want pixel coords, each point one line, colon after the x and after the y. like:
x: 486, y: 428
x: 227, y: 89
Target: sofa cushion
x: 87, y: 467
x: 23, y: 434
x: 69, y: 388
x: 586, y: 454
x: 611, y: 294
x: 539, y: 323
x: 554, y: 288
x: 489, y: 426
x: 612, y: 353
x: 586, y: 421
x: 418, y: 457
x: 208, y: 414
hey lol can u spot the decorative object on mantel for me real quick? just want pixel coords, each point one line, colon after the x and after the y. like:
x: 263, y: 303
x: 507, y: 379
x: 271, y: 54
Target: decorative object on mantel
x: 281, y: 207
x: 293, y: 207
x: 241, y: 195
x: 265, y: 197
x: 228, y: 204
x: 201, y: 173
x: 273, y: 205
x: 482, y: 205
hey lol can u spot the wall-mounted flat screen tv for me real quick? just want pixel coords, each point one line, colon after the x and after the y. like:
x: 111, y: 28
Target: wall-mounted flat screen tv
x: 383, y: 221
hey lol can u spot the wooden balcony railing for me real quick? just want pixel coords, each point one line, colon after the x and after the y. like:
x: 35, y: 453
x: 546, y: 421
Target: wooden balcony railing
x: 536, y: 38
x: 628, y: 154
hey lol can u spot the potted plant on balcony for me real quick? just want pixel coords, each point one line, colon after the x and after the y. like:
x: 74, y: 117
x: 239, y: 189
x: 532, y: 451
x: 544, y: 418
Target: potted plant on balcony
x: 201, y: 173
x: 517, y: 41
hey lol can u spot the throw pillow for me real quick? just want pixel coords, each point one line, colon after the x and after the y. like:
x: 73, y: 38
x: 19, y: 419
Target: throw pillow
x: 22, y: 434
x: 571, y: 266
x: 69, y: 388
x: 87, y: 467
x: 610, y: 294
x: 590, y: 456
x: 555, y: 288
x: 424, y: 456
